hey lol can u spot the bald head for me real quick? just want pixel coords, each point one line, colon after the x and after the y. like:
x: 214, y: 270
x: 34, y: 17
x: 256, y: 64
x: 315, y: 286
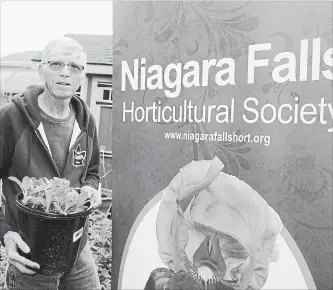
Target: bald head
x: 63, y: 67
x: 63, y: 44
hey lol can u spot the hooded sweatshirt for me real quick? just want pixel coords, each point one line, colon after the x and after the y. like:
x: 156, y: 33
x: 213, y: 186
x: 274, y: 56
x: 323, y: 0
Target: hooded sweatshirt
x: 25, y: 151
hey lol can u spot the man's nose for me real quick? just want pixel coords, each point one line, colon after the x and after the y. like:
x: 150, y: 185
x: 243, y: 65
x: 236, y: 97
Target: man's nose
x: 65, y: 71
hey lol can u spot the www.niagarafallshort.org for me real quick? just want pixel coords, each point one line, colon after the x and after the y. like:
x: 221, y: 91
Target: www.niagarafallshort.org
x: 221, y: 137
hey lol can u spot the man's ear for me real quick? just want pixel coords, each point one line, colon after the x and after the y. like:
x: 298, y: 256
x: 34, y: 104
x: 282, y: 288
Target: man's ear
x: 41, y: 73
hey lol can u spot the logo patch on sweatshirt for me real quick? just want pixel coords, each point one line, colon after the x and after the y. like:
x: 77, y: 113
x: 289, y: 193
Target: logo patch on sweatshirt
x: 78, y: 156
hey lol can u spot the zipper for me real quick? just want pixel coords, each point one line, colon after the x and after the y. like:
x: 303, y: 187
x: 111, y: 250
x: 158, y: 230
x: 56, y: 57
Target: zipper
x: 71, y: 150
x: 48, y: 152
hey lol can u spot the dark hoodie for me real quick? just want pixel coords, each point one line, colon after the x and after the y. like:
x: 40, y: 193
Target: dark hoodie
x: 24, y: 152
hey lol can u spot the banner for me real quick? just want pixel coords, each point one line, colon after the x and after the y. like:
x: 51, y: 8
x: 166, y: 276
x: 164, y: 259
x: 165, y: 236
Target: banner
x: 222, y: 145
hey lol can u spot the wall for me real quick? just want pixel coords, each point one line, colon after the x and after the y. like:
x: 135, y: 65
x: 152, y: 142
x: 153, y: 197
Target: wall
x: 96, y: 95
x: 102, y: 111
x: 14, y: 78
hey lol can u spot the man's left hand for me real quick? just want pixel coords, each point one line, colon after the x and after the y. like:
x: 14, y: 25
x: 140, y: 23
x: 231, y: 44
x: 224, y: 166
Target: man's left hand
x: 95, y: 195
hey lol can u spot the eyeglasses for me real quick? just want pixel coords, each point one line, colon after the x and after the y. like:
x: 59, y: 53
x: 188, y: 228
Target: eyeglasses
x: 59, y: 65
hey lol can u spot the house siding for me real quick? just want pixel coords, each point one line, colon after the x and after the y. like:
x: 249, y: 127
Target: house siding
x: 89, y: 90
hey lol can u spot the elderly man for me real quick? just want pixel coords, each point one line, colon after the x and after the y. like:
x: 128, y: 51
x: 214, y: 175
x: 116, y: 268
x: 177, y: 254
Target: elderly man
x: 44, y: 130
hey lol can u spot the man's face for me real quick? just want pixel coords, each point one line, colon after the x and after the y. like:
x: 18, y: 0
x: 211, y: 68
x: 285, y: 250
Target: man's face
x: 62, y: 70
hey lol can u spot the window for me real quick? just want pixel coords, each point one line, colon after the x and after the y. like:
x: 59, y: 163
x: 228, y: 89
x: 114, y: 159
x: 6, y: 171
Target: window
x: 104, y: 84
x: 107, y: 96
x: 78, y: 92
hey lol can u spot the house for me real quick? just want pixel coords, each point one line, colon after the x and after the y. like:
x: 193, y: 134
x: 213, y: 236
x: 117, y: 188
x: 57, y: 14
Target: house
x: 20, y: 70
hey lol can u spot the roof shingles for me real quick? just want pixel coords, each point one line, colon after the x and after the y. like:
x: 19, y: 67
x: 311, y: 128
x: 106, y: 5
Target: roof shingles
x: 97, y: 47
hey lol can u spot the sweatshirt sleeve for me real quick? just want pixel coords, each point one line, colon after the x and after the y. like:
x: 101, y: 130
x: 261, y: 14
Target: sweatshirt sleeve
x: 92, y: 177
x: 6, y: 152
x: 6, y: 148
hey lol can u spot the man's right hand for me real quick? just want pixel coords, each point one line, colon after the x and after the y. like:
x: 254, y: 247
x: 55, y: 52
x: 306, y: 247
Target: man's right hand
x: 13, y: 241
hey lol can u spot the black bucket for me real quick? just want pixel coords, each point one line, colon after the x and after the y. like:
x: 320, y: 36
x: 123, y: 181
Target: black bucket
x: 53, y: 239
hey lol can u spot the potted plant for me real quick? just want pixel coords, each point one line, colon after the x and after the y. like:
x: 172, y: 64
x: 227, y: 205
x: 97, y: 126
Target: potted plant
x: 52, y: 216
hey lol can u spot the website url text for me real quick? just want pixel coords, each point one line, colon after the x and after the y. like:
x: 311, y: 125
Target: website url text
x: 220, y: 137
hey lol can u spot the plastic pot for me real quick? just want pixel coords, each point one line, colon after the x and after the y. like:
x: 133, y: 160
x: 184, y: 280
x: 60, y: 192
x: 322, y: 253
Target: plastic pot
x: 53, y: 239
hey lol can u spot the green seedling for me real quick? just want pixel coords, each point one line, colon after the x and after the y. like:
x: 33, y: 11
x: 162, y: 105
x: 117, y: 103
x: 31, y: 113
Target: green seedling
x: 51, y: 195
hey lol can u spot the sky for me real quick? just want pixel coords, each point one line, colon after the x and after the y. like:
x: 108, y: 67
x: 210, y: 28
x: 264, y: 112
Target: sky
x: 30, y: 25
